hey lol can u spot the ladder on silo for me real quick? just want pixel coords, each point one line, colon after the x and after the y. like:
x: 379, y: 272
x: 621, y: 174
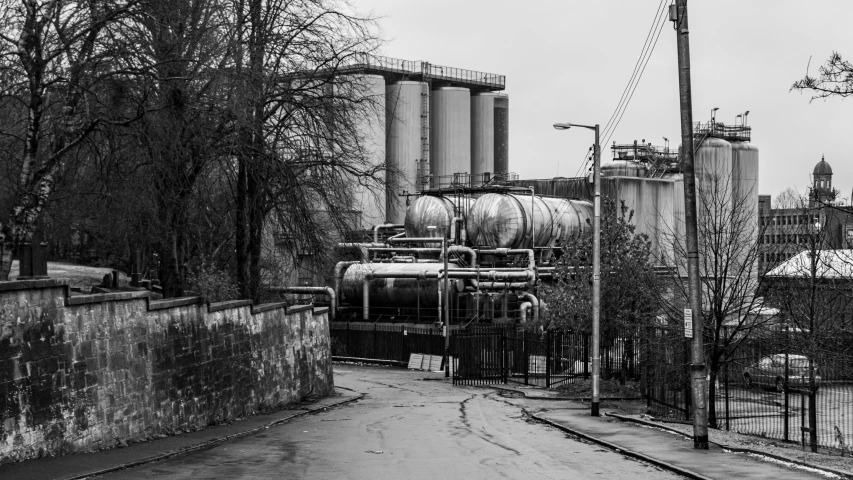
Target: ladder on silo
x: 423, y: 169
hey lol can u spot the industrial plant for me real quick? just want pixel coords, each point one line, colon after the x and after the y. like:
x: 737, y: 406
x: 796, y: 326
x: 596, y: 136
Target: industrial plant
x: 463, y: 239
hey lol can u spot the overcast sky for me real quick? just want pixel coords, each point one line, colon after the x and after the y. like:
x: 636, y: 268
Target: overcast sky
x: 570, y: 60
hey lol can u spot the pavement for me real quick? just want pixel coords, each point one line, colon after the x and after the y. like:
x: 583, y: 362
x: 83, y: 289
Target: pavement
x: 406, y: 427
x: 86, y: 465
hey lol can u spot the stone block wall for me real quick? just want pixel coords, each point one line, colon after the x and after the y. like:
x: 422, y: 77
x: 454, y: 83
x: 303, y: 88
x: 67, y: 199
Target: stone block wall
x: 95, y: 371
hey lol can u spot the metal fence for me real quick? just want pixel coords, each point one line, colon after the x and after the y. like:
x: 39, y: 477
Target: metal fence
x: 762, y: 386
x: 385, y: 341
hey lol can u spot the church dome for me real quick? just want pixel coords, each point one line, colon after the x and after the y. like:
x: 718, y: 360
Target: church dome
x: 822, y: 168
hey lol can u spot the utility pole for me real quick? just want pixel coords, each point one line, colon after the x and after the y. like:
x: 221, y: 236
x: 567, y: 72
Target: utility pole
x: 697, y: 357
x: 596, y: 276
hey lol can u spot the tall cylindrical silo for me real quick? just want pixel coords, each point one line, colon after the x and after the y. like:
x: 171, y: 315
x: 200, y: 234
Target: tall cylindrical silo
x: 483, y: 133
x: 403, y: 108
x: 450, y: 133
x: 745, y: 202
x: 369, y: 196
x: 502, y: 134
x: 713, y: 167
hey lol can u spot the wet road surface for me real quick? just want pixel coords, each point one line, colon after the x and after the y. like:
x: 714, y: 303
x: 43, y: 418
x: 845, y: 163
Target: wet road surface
x: 409, y: 425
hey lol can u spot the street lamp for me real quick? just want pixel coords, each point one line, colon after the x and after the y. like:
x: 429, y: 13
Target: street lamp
x: 596, y: 265
x: 714, y: 114
x: 740, y: 116
x: 666, y: 142
x: 745, y: 114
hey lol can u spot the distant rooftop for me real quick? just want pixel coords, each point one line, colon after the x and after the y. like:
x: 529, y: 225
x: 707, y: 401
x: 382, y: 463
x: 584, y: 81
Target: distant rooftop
x: 830, y: 264
x: 399, y: 69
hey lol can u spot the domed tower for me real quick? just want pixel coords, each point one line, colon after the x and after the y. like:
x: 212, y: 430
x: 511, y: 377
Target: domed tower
x: 821, y: 191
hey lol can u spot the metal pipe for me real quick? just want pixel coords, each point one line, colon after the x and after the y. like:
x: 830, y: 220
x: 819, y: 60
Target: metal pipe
x: 339, y: 273
x: 446, y: 286
x: 414, y: 240
x: 458, y: 248
x: 453, y: 229
x: 362, y: 247
x: 365, y: 298
x: 499, y: 285
x: 333, y: 297
x: 531, y: 257
x: 534, y: 302
x: 384, y: 226
x: 522, y: 310
x: 404, y: 250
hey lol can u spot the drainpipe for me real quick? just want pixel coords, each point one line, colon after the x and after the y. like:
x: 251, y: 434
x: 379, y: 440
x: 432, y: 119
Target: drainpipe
x: 333, y: 297
x: 523, y: 311
x: 385, y: 226
x: 339, y: 273
x: 534, y: 303
x: 469, y: 251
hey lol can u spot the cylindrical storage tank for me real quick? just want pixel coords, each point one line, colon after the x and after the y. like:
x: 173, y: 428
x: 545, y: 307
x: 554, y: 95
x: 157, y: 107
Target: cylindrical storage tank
x: 370, y: 200
x: 507, y: 221
x: 436, y: 211
x: 713, y: 168
x: 745, y: 201
x: 623, y: 168
x: 501, y: 134
x: 483, y: 133
x: 397, y: 292
x: 403, y: 145
x: 570, y: 217
x: 449, y: 133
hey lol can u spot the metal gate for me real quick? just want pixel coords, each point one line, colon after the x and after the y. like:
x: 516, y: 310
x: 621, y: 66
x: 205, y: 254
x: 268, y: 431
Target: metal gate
x: 498, y: 355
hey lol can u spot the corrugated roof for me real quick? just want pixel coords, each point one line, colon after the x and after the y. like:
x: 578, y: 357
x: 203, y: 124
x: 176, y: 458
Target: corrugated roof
x: 830, y: 264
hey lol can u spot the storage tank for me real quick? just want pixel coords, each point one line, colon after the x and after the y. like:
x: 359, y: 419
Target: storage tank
x: 507, y: 221
x: 403, y: 110
x: 623, y: 168
x: 435, y: 211
x: 370, y: 200
x: 450, y: 132
x: 502, y: 134
x: 386, y: 292
x: 745, y: 201
x: 483, y: 133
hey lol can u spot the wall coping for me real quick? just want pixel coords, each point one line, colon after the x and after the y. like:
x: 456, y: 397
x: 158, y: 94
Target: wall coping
x: 12, y: 285
x: 69, y: 300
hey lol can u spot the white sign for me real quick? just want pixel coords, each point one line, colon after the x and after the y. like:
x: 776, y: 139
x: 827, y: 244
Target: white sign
x: 688, y: 323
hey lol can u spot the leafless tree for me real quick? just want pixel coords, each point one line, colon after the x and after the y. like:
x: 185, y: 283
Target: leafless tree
x: 834, y: 79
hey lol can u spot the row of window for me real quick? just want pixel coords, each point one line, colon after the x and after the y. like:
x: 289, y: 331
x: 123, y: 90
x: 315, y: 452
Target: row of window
x: 804, y: 219
x: 775, y: 257
x: 782, y: 238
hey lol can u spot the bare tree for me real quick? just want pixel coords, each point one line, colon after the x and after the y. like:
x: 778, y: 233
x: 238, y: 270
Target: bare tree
x: 729, y: 249
x: 54, y: 58
x: 834, y: 79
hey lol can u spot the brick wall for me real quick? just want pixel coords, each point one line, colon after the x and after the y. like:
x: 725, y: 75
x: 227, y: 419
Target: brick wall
x: 96, y: 371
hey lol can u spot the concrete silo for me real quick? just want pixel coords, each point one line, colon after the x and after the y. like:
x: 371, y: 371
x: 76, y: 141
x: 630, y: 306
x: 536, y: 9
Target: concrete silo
x: 369, y: 196
x: 483, y: 133
x: 404, y: 152
x: 450, y: 133
x: 745, y: 202
x: 501, y: 134
x: 713, y: 167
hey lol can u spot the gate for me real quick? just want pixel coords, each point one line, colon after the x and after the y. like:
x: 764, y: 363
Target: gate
x: 503, y: 355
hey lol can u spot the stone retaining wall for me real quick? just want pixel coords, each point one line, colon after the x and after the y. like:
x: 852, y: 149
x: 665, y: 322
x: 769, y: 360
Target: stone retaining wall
x: 96, y: 371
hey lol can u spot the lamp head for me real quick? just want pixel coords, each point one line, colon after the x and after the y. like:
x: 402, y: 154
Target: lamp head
x: 746, y: 113
x: 715, y: 109
x: 562, y: 126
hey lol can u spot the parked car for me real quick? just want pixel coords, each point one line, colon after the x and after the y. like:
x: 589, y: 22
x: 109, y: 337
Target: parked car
x: 769, y: 372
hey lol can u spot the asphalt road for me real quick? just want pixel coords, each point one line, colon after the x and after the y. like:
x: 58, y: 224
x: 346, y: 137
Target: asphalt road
x: 409, y: 425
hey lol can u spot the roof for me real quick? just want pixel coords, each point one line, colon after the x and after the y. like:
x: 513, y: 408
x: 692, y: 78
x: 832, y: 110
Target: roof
x: 830, y: 264
x: 822, y: 168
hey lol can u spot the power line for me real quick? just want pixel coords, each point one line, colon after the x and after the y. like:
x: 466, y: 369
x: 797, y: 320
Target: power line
x: 636, y: 65
x: 613, y: 128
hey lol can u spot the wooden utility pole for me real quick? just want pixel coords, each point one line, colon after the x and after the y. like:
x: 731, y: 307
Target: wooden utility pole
x: 697, y: 358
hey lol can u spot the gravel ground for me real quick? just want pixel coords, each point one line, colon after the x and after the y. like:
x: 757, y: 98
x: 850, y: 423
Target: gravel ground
x: 778, y: 448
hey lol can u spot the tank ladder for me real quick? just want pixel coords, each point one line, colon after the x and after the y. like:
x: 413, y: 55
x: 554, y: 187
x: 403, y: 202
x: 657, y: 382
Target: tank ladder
x: 423, y: 168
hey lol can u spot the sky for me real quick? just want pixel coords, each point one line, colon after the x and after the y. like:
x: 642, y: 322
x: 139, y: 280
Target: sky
x: 570, y: 60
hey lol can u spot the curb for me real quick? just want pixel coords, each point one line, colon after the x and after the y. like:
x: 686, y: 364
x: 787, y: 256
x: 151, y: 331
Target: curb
x: 637, y: 455
x: 570, y: 399
x: 209, y: 443
x: 393, y: 363
x: 842, y: 474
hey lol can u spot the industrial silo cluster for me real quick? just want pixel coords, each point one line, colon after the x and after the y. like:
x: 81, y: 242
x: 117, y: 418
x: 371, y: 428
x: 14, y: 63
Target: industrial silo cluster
x: 432, y: 130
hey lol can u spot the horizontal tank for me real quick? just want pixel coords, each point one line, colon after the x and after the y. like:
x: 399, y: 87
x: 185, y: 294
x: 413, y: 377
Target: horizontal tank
x: 501, y: 134
x: 483, y: 133
x: 403, y: 152
x: 437, y: 211
x: 510, y: 221
x: 398, y: 292
x: 623, y: 168
x: 449, y: 132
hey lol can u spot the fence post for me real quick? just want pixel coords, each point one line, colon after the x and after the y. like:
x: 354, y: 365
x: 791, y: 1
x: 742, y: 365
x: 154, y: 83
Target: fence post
x: 375, y: 344
x: 728, y: 418
x: 785, y: 392
x: 503, y: 357
x: 349, y: 347
x: 547, y: 358
x: 526, y: 358
x: 585, y: 356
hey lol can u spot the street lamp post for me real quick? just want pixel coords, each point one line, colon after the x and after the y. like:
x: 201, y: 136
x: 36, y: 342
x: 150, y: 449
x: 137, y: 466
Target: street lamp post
x: 596, y: 265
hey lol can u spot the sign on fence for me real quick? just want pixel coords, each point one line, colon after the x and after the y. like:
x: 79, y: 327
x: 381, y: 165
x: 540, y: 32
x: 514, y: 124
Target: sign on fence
x: 688, y: 323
